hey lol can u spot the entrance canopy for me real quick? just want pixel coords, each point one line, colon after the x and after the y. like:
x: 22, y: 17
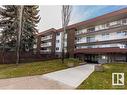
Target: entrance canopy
x: 101, y: 50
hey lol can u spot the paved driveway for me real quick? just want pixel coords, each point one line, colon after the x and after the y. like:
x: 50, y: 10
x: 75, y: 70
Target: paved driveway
x: 63, y: 79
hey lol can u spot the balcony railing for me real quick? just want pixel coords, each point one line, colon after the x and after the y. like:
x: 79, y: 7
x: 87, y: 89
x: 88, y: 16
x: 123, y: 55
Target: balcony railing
x: 107, y: 27
x: 46, y: 38
x: 45, y: 44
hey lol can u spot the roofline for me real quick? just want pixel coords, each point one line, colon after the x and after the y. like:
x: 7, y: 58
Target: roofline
x: 49, y: 30
x: 117, y: 12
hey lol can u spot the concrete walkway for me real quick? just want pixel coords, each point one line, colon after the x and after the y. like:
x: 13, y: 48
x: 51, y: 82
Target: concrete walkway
x: 72, y: 77
x: 32, y: 82
x: 63, y: 79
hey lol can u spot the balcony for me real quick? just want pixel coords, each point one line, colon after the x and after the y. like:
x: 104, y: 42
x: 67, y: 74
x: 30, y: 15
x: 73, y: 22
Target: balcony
x: 91, y: 30
x: 123, y: 40
x: 46, y: 38
x: 46, y: 44
x: 85, y: 41
x: 87, y: 31
x: 116, y: 45
x: 81, y: 31
x: 104, y: 27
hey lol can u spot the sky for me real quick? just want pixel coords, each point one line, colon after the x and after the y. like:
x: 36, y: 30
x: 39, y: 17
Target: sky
x: 51, y: 15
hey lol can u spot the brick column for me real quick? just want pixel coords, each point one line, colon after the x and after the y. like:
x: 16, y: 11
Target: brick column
x: 70, y: 42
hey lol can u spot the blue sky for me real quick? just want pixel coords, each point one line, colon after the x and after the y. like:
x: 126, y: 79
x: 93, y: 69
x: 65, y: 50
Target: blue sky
x: 51, y: 15
x: 81, y: 13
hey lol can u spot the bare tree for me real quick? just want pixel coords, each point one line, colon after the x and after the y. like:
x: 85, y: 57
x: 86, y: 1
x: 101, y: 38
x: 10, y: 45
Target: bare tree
x: 20, y: 10
x: 66, y: 13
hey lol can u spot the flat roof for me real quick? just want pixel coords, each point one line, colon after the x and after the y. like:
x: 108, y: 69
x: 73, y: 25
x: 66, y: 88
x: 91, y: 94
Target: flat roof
x: 106, y: 17
x: 118, y: 14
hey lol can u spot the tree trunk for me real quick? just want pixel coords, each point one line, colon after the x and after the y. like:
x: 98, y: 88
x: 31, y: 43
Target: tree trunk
x: 63, y: 41
x: 3, y: 50
x: 19, y: 34
x: 66, y: 12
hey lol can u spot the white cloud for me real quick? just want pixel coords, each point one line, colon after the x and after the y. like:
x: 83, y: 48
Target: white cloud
x: 50, y: 17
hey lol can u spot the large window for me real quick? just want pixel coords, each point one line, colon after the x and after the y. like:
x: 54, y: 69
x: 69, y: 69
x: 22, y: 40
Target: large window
x: 57, y: 41
x: 90, y: 39
x: 58, y: 33
x: 124, y: 21
x: 121, y: 34
x: 91, y: 29
x: 57, y: 48
x: 105, y: 36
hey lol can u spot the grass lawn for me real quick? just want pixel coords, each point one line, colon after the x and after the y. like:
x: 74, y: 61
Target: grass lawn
x: 34, y: 68
x: 103, y: 80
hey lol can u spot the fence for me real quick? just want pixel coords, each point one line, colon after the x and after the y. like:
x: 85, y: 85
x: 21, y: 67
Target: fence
x: 10, y: 57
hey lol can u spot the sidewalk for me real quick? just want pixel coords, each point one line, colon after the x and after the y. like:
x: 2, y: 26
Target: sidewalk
x: 63, y: 79
x: 72, y: 77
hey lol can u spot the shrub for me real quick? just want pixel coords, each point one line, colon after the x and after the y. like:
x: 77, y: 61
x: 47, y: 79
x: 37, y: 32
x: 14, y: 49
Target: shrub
x: 73, y: 61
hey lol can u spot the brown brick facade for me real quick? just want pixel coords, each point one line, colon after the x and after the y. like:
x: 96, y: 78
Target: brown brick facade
x: 51, y: 32
x: 70, y: 42
x: 71, y: 35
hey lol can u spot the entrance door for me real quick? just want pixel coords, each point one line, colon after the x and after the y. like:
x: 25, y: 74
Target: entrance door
x: 91, y: 58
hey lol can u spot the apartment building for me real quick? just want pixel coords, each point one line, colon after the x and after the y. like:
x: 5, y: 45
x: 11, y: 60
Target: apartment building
x: 46, y: 42
x: 101, y: 40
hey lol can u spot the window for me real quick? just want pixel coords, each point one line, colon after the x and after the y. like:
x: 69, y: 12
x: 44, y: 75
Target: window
x: 58, y: 33
x: 90, y: 46
x: 124, y: 21
x: 91, y: 29
x: 103, y: 26
x: 125, y: 32
x: 104, y: 57
x: 78, y: 39
x: 107, y: 25
x: 105, y: 36
x: 57, y: 41
x: 121, y: 33
x: 90, y: 39
x: 57, y: 48
x: 79, y: 32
